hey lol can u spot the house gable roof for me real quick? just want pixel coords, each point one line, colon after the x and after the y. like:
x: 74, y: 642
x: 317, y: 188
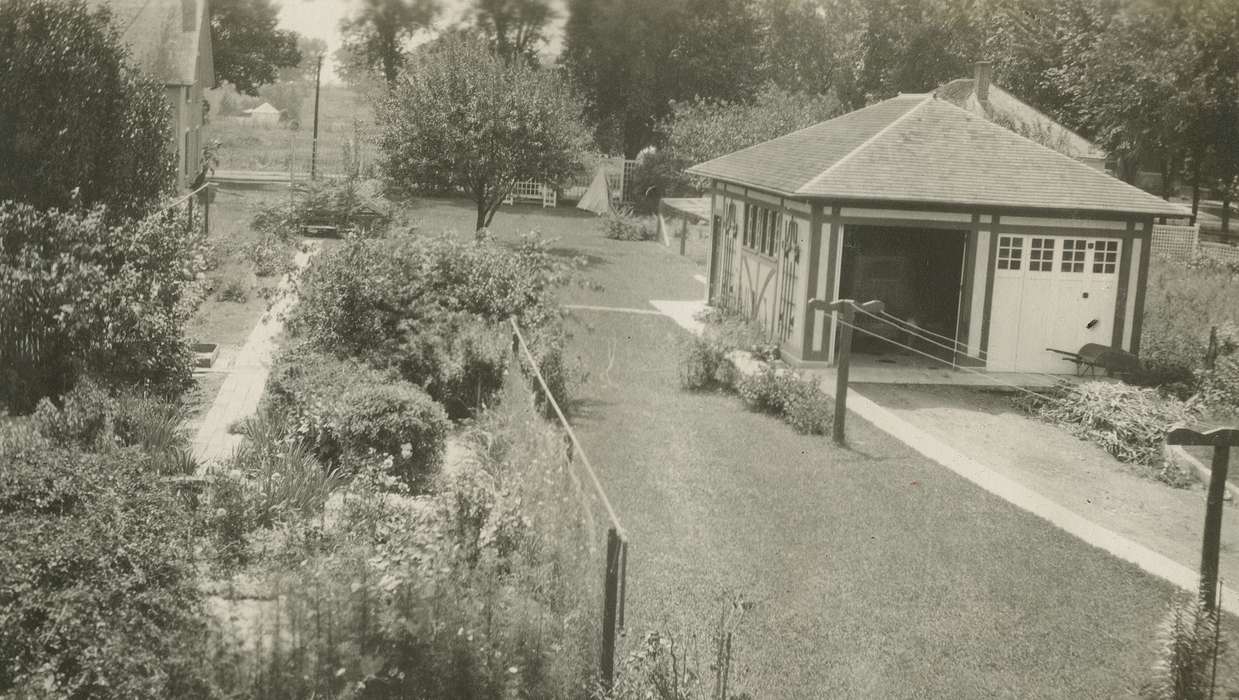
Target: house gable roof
x: 1008, y: 110
x: 166, y: 38
x: 919, y: 149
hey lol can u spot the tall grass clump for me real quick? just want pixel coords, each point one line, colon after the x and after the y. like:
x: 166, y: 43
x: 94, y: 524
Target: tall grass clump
x: 1182, y: 303
x: 1190, y: 643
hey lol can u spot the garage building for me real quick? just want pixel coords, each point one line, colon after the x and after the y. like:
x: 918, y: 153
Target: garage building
x: 995, y: 245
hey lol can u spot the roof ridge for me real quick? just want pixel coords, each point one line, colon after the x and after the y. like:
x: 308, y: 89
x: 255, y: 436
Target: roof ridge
x: 928, y: 97
x: 1062, y: 156
x: 1052, y: 120
x: 793, y: 133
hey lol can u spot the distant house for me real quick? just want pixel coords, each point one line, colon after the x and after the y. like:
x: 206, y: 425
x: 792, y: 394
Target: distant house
x: 171, y: 40
x: 997, y: 244
x: 982, y: 97
x: 264, y: 114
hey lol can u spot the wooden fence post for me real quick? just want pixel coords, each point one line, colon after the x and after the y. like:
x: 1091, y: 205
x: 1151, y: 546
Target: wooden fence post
x: 847, y: 309
x: 609, y: 608
x: 683, y: 235
x: 1221, y: 439
x: 206, y: 210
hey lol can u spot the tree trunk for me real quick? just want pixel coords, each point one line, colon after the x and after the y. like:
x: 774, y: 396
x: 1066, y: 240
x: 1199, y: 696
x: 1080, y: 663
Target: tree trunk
x: 483, y: 211
x: 1196, y: 158
x: 1227, y: 186
x: 1169, y: 168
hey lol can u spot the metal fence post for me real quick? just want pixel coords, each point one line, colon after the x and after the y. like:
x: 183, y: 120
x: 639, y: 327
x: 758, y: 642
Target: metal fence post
x: 609, y: 609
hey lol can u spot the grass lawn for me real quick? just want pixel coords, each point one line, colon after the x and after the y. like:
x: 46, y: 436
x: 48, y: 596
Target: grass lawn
x: 875, y: 573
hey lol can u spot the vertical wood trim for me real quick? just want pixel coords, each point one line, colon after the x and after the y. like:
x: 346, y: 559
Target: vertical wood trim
x: 814, y: 254
x: 1133, y: 286
x: 963, y: 323
x: 988, y: 311
x: 1142, y: 281
x: 1120, y: 294
x: 836, y: 275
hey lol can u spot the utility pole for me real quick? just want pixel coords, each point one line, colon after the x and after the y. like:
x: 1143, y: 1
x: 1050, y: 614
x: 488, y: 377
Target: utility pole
x: 318, y: 72
x: 1221, y: 440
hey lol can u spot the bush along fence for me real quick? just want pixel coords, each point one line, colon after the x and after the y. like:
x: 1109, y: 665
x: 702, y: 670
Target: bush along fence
x: 616, y: 566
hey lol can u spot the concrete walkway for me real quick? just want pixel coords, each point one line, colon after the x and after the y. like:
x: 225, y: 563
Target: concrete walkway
x: 994, y: 482
x: 242, y: 389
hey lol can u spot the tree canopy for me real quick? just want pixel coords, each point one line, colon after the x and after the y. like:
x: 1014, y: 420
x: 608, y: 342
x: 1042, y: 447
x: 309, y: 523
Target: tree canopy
x: 377, y: 36
x: 249, y: 50
x: 469, y: 120
x: 517, y: 27
x: 78, y: 127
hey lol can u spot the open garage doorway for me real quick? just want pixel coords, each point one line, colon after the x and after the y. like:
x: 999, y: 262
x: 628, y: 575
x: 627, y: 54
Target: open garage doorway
x: 918, y: 273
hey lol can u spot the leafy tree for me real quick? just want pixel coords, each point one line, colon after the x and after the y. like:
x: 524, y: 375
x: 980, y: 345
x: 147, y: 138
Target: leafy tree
x: 631, y: 58
x: 79, y: 126
x: 798, y: 45
x: 517, y: 27
x: 469, y: 120
x: 902, y: 45
x: 700, y: 130
x: 378, y: 35
x: 248, y: 49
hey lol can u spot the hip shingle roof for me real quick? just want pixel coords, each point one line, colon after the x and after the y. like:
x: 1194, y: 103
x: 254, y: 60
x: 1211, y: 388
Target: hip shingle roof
x: 914, y: 148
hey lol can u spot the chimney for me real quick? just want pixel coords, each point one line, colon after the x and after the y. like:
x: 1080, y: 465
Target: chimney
x: 984, y: 70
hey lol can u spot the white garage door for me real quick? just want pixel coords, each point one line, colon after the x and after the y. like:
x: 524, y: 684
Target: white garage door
x: 1051, y: 292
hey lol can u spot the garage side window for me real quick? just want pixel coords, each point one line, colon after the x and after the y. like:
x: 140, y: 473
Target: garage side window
x: 1105, y: 257
x: 1010, y: 252
x: 761, y: 230
x: 1074, y: 250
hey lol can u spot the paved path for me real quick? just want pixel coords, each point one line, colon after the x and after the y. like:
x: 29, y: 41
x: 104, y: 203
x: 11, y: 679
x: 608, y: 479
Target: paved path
x: 241, y: 391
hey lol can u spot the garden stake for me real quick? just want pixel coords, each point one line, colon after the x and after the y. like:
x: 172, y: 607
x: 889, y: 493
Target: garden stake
x: 847, y: 309
x: 1221, y: 439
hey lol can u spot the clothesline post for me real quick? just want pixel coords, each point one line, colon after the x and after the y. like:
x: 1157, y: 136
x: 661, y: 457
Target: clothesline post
x: 847, y: 310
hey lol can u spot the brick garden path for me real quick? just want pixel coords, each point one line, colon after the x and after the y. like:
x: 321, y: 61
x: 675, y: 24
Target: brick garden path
x: 241, y: 391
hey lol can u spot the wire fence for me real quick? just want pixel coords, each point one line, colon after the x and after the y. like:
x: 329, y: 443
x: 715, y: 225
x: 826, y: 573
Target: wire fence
x: 593, y: 496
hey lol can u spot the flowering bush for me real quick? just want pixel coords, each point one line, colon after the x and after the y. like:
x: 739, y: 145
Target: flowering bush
x: 623, y: 225
x: 342, y: 409
x: 799, y: 401
x: 81, y: 296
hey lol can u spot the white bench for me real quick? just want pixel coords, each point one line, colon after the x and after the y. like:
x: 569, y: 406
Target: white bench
x: 530, y: 191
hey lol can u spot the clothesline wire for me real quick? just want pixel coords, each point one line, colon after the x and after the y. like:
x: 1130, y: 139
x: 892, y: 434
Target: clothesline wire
x: 983, y: 375
x: 916, y: 331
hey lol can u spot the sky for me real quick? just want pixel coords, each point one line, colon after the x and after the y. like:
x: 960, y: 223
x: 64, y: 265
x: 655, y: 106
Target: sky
x: 321, y: 19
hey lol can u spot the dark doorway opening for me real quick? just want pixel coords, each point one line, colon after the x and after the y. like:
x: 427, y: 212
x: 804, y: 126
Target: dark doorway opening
x: 917, y: 272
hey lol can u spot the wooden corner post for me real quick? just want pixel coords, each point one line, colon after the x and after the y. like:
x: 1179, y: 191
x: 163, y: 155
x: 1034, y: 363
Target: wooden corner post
x: 1221, y: 440
x: 847, y: 312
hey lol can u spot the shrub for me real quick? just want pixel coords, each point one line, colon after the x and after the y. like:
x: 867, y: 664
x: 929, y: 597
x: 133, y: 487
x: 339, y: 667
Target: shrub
x: 271, y: 256
x: 701, y: 364
x: 93, y: 129
x: 341, y: 409
x: 91, y: 418
x: 98, y: 587
x: 800, y: 402
x: 234, y: 288
x: 1219, y: 387
x: 78, y: 296
x: 1128, y: 422
x: 623, y: 225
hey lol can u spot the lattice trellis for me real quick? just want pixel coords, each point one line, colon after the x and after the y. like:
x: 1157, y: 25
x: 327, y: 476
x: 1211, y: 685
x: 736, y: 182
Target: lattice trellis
x: 1177, y: 242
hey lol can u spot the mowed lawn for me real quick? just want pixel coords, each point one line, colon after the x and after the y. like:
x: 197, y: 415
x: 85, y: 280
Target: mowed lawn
x: 875, y: 573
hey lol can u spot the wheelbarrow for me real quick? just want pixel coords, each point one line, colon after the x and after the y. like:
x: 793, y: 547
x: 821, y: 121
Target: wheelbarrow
x: 1091, y: 356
